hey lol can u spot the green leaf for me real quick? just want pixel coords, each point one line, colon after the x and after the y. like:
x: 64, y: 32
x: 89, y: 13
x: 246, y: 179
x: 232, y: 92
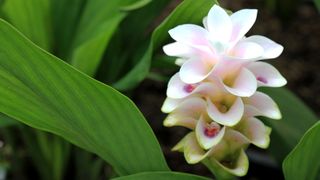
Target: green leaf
x: 49, y: 153
x: 317, y: 2
x: 7, y: 121
x: 43, y: 92
x: 161, y: 176
x: 32, y: 18
x: 94, y: 32
x: 64, y: 22
x: 296, y: 119
x: 303, y: 161
x: 135, y: 5
x: 189, y: 11
x: 133, y: 36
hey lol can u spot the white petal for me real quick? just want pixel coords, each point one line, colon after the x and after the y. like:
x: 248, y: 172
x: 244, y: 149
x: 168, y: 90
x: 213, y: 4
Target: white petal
x: 180, y: 61
x: 193, y: 107
x: 244, y: 85
x: 219, y: 24
x: 229, y: 118
x: 204, y: 140
x: 240, y: 164
x: 247, y: 50
x: 180, y: 145
x: 255, y: 131
x: 266, y: 74
x: 170, y: 104
x: 178, y: 89
x: 187, y: 113
x: 205, y: 22
x: 271, y: 49
x: 250, y: 111
x: 194, y: 71
x: 178, y: 49
x: 193, y: 153
x: 190, y: 34
x: 180, y: 120
x: 264, y: 105
x: 207, y: 89
x: 230, y: 150
x: 242, y: 21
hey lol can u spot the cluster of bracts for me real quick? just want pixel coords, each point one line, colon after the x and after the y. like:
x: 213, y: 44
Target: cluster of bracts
x: 215, y: 92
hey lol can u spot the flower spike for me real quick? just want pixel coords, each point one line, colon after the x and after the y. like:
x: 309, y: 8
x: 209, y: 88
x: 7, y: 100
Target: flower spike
x: 215, y: 94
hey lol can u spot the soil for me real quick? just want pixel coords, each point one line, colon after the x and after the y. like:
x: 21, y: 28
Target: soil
x: 299, y: 33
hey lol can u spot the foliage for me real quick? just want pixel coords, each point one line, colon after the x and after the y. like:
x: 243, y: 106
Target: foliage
x: 302, y: 162
x: 54, y: 61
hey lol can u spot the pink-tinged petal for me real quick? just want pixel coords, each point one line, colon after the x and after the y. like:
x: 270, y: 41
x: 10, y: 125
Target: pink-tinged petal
x: 264, y: 105
x: 266, y: 74
x: 256, y: 132
x: 271, y: 48
x: 244, y: 85
x: 242, y: 21
x: 178, y: 89
x: 250, y: 111
x: 247, y: 50
x: 207, y: 89
x: 208, y: 133
x: 190, y: 34
x: 194, y: 71
x: 187, y: 113
x: 170, y: 104
x: 219, y: 24
x: 178, y: 49
x: 230, y: 116
x: 193, y: 153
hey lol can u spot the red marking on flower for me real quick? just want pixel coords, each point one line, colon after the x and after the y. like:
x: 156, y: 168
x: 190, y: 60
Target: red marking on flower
x: 262, y: 79
x: 189, y: 88
x: 211, y: 130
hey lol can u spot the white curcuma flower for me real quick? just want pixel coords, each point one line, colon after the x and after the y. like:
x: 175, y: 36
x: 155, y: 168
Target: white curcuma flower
x: 215, y: 92
x: 221, y: 51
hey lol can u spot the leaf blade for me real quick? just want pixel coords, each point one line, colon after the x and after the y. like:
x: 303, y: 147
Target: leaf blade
x: 296, y: 119
x: 186, y: 12
x: 48, y: 94
x: 161, y: 176
x: 302, y: 162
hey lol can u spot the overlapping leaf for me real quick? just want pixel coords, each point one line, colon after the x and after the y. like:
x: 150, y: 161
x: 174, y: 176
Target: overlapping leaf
x: 44, y: 92
x: 303, y: 162
x: 189, y: 11
x: 296, y: 119
x: 32, y: 18
x: 161, y: 176
x: 99, y: 21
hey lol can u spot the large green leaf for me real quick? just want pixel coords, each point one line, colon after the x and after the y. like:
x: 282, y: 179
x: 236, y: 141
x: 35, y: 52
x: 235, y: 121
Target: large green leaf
x: 303, y: 162
x: 98, y: 23
x: 32, y: 18
x: 161, y: 176
x: 44, y: 92
x: 189, y: 11
x: 296, y: 119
